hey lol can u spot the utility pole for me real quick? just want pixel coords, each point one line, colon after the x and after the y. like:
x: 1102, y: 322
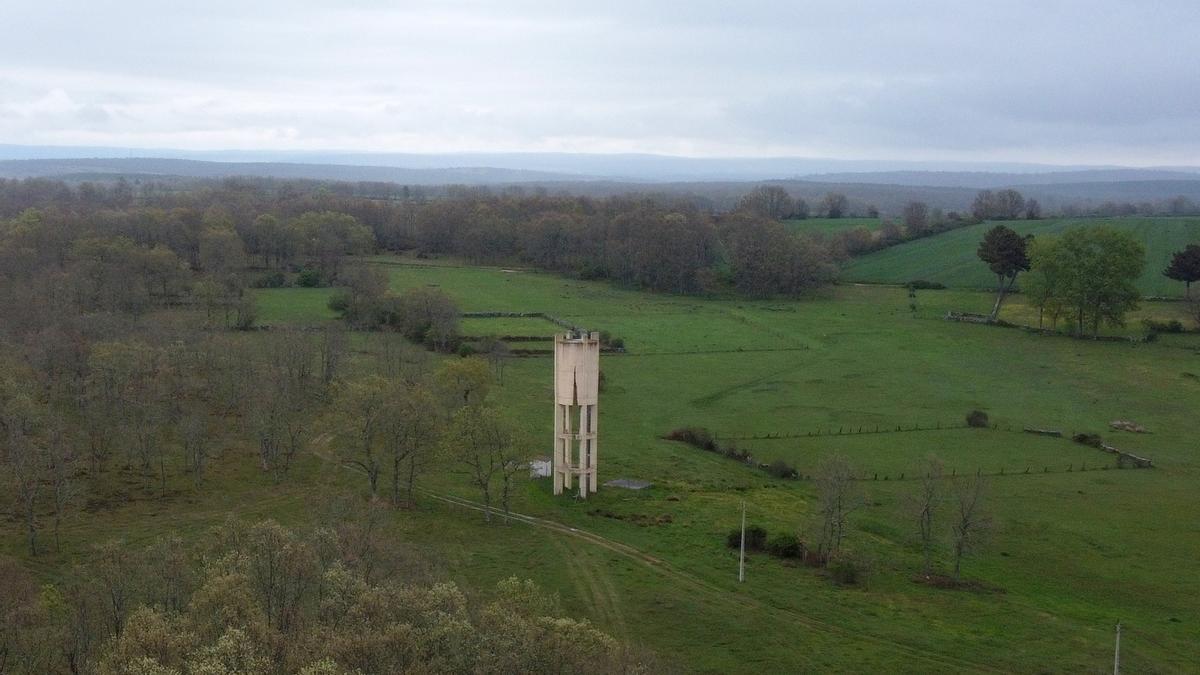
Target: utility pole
x: 1117, y: 652
x: 742, y: 553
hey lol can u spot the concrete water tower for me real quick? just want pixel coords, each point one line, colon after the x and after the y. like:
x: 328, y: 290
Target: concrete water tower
x: 576, y: 394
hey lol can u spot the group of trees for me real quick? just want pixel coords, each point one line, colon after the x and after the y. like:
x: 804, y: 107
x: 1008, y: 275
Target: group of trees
x: 105, y: 413
x: 773, y: 201
x: 1087, y: 273
x: 657, y: 243
x: 968, y: 517
x: 261, y: 599
x: 944, y: 508
x: 1004, y: 205
x: 424, y: 315
x: 1174, y: 206
x: 393, y: 426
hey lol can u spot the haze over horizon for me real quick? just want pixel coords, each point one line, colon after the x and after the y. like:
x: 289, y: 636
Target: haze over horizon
x: 1062, y: 83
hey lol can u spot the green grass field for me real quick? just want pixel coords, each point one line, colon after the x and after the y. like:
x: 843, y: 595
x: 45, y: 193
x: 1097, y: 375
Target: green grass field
x: 1071, y: 552
x: 831, y: 225
x: 949, y: 258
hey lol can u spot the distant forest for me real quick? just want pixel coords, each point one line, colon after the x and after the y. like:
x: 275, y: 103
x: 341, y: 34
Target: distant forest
x: 307, y: 230
x: 137, y: 240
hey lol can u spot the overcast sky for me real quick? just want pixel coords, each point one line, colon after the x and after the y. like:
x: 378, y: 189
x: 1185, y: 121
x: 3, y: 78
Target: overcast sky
x: 1096, y: 81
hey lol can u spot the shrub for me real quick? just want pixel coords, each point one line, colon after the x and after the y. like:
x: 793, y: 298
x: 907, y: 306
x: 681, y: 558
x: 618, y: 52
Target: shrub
x: 756, y: 538
x: 847, y: 571
x: 309, y: 278
x: 466, y: 349
x: 1172, y: 326
x: 977, y: 419
x: 1084, y: 438
x: 270, y: 280
x: 785, y: 546
x: 609, y: 341
x: 781, y: 469
x: 246, y: 315
x: 339, y: 302
x: 922, y: 285
x: 698, y: 436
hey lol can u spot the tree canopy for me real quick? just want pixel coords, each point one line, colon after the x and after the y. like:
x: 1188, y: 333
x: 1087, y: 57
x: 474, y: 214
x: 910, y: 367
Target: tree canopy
x: 1090, y: 272
x: 1185, y: 267
x: 1005, y: 253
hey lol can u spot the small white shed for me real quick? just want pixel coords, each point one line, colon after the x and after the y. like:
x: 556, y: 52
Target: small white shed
x: 540, y: 467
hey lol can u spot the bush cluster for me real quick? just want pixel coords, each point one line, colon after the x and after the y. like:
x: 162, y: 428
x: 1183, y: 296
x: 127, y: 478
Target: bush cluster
x: 847, y: 571
x: 1172, y: 326
x: 781, y: 469
x: 782, y: 545
x: 756, y: 538
x: 610, y: 341
x: 310, y: 278
x: 922, y: 285
x: 703, y: 438
x: 977, y: 419
x: 274, y: 279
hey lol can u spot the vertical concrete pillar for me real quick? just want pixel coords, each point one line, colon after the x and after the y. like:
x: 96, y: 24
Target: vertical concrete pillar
x: 576, y: 415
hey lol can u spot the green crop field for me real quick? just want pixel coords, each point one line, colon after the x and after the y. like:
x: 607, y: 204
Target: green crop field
x: 949, y: 258
x: 1071, y: 552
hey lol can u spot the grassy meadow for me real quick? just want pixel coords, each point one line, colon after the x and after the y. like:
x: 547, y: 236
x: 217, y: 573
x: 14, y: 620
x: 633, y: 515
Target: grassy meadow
x: 830, y: 225
x: 1071, y: 551
x: 949, y: 258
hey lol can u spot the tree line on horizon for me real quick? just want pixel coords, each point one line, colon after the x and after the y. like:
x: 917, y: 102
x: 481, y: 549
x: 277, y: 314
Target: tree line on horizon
x: 644, y: 242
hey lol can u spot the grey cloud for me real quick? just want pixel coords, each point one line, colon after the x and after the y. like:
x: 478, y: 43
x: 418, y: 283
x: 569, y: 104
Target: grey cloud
x: 1057, y: 80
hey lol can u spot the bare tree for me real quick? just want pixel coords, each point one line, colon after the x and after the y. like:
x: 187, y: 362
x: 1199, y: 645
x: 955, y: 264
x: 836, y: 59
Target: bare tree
x: 925, y: 504
x: 916, y: 219
x: 837, y: 497
x: 27, y: 471
x: 971, y: 523
x: 360, y: 410
x: 481, y: 440
x: 512, y: 468
x: 332, y: 349
x: 463, y: 382
x: 193, y: 435
x: 834, y: 205
x: 498, y: 353
x: 20, y: 422
x: 60, y: 471
x: 771, y: 201
x: 410, y: 432
x: 112, y: 570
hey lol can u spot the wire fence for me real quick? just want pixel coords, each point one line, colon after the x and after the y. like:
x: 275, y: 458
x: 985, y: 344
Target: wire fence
x: 722, y: 445
x: 855, y: 430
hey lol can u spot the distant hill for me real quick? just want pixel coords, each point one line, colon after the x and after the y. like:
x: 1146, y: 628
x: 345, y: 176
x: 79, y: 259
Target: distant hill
x: 950, y: 258
x: 152, y: 166
x: 1094, y: 193
x: 993, y: 180
x: 627, y: 167
x: 1053, y: 189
